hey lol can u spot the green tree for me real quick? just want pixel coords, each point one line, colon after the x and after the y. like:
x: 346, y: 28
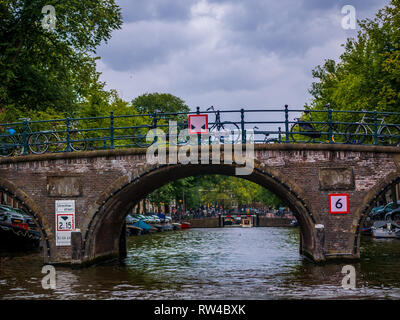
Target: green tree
x: 214, y: 190
x: 367, y: 74
x: 43, y: 69
x: 159, y: 102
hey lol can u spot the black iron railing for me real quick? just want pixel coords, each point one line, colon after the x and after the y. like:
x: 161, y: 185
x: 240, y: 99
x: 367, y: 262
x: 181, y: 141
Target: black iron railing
x: 280, y: 125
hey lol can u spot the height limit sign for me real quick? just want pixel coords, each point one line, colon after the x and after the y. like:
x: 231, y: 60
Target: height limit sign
x: 65, y: 221
x: 339, y: 203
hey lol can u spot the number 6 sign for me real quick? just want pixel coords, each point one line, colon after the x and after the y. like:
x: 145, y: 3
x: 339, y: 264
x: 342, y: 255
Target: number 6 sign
x: 339, y: 203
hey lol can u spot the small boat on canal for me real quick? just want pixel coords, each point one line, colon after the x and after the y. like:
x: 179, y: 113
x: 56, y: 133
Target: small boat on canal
x: 167, y: 227
x: 185, y: 225
x: 159, y: 227
x: 145, y: 227
x: 247, y: 222
x: 385, y: 229
x: 176, y: 226
x: 132, y: 230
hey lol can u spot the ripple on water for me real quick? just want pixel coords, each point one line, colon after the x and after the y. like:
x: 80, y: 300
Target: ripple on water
x: 230, y: 263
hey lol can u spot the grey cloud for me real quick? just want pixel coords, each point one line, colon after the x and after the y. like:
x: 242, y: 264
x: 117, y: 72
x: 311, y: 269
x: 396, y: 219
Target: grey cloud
x: 329, y: 4
x: 143, y: 44
x: 139, y: 10
x: 258, y: 51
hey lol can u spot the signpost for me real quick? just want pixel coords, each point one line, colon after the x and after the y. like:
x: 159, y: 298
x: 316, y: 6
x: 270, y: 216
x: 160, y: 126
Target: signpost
x: 339, y: 203
x: 65, y: 221
x: 198, y: 123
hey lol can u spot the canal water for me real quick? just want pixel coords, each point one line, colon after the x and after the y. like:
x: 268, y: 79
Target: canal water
x: 228, y: 263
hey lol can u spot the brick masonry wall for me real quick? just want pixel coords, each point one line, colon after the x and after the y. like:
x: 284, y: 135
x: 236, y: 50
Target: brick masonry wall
x: 274, y: 222
x: 204, y: 223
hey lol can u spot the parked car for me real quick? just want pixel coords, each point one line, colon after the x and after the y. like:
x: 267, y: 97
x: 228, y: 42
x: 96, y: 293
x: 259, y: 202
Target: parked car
x: 380, y: 214
x: 13, y: 218
x: 16, y: 217
x: 393, y: 215
x: 376, y: 212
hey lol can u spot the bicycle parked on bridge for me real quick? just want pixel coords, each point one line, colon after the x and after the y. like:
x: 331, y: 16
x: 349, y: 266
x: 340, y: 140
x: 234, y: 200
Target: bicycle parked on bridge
x: 57, y: 140
x: 266, y: 134
x: 310, y: 131
x: 13, y: 143
x: 222, y: 128
x: 388, y: 135
x: 140, y: 133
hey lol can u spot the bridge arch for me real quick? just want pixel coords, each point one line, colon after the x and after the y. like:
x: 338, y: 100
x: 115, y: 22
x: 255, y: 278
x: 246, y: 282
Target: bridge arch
x: 379, y: 189
x: 101, y: 237
x: 30, y: 207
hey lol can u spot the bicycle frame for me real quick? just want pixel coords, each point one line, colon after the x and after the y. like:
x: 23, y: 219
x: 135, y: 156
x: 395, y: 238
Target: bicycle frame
x: 217, y: 122
x: 363, y: 122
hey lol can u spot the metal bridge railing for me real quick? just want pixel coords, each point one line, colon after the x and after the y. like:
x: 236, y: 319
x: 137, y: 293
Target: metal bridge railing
x: 280, y: 125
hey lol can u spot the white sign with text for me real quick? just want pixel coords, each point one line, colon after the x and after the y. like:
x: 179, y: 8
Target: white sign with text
x: 65, y: 221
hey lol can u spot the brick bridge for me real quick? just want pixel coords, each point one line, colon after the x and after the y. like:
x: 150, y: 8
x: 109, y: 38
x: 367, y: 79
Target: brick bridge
x: 107, y: 184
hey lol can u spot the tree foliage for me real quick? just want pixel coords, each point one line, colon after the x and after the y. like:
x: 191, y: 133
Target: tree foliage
x: 215, y: 190
x: 159, y: 102
x: 366, y: 77
x: 42, y: 69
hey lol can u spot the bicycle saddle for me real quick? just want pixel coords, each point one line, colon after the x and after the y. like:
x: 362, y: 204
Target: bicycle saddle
x: 25, y: 119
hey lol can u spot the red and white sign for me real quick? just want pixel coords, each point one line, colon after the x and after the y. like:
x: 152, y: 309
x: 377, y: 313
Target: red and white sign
x: 339, y: 203
x: 198, y: 123
x: 65, y: 221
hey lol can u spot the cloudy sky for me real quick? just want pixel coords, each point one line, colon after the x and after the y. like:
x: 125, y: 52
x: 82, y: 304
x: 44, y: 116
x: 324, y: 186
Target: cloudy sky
x: 226, y: 53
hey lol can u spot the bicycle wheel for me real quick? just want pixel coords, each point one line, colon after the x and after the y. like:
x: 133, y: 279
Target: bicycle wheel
x: 38, y: 143
x: 55, y: 144
x: 298, y: 131
x: 77, y: 141
x: 356, y: 133
x: 7, y: 146
x: 139, y: 136
x: 389, y: 136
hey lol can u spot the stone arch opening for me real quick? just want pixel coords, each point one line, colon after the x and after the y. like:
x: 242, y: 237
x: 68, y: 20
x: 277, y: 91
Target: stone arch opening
x: 20, y: 199
x: 101, y: 239
x: 380, y: 189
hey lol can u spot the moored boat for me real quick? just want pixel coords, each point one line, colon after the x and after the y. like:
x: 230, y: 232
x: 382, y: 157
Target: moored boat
x: 185, y: 225
x: 384, y: 229
x: 159, y: 227
x: 246, y: 222
x: 176, y: 226
x: 133, y: 230
x: 143, y: 225
x: 167, y: 227
x: 366, y: 231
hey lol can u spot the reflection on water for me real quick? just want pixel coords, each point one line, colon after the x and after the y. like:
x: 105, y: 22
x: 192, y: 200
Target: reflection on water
x: 230, y: 263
